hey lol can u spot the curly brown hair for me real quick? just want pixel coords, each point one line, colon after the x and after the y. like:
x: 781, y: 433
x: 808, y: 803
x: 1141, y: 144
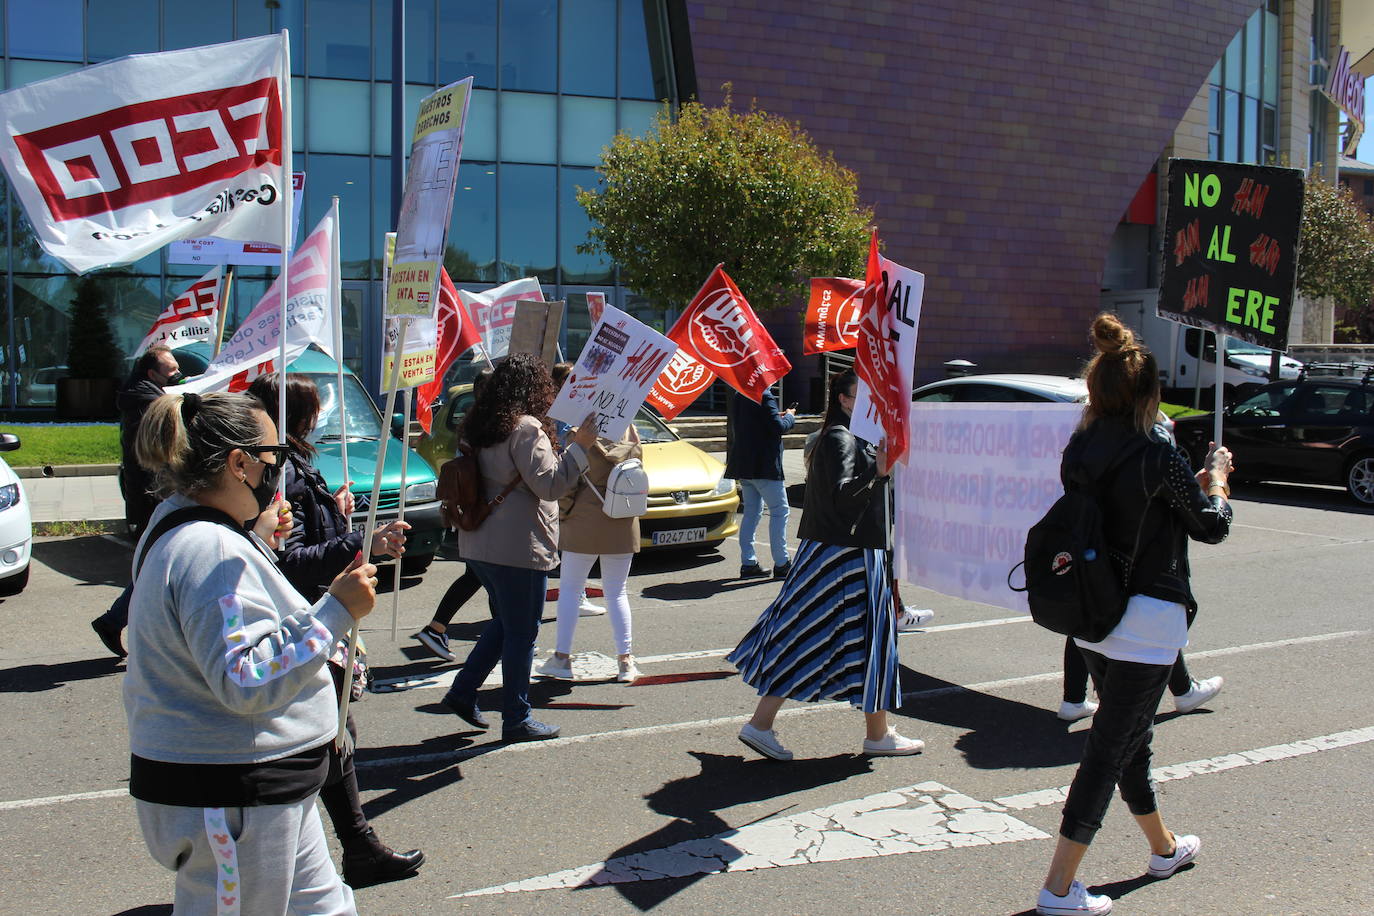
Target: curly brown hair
x: 520, y: 386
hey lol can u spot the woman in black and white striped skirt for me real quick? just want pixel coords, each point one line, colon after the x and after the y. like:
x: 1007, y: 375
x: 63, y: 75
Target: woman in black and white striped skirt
x: 830, y: 635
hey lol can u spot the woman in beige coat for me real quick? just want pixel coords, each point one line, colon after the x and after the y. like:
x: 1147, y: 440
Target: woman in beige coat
x: 586, y: 533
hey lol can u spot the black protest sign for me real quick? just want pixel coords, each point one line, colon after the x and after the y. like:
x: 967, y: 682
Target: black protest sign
x: 1231, y: 249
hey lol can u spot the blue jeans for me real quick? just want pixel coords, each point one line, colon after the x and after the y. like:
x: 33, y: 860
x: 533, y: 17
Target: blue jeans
x: 755, y: 494
x: 516, y: 599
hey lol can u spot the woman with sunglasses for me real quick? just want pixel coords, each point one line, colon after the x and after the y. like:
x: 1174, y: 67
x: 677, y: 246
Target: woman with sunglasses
x: 321, y: 542
x: 230, y: 709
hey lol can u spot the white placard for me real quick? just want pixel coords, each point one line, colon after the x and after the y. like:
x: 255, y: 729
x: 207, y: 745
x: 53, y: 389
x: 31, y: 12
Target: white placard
x: 620, y: 363
x: 493, y: 311
x: 905, y: 289
x: 223, y: 252
x: 977, y: 477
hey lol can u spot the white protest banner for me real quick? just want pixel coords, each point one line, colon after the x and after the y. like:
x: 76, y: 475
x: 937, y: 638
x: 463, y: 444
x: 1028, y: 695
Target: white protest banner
x: 904, y: 290
x: 618, y: 366
x: 977, y: 478
x: 255, y: 347
x: 494, y: 311
x: 189, y: 317
x: 114, y: 161
x: 224, y: 252
x: 435, y: 151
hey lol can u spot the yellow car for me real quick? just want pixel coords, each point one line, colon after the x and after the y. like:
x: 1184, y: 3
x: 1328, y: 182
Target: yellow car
x: 691, y: 503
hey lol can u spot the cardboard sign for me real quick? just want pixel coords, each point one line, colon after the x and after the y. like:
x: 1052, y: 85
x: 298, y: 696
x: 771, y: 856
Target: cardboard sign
x: 979, y: 476
x: 242, y: 254
x: 1231, y: 249
x: 427, y: 205
x: 617, y: 368
x: 886, y: 358
x: 536, y: 328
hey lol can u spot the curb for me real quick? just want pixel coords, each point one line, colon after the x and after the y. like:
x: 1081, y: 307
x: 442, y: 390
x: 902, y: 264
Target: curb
x: 89, y: 526
x: 68, y: 470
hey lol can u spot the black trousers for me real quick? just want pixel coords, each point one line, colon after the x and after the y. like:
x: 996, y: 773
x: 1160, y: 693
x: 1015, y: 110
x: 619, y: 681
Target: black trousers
x: 458, y: 594
x: 340, y: 792
x: 1076, y: 674
x: 1117, y: 752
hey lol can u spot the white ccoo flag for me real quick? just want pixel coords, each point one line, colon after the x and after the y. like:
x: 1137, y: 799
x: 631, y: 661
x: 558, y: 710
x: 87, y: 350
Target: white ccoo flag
x: 114, y: 161
x: 189, y: 317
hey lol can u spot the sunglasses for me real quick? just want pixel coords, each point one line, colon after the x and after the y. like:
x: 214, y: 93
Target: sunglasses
x: 279, y: 452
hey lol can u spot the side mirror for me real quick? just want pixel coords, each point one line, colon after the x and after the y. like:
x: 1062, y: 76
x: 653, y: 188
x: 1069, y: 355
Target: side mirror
x: 398, y: 426
x: 8, y: 442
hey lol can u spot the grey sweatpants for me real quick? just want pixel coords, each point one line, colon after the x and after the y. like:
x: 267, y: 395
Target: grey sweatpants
x: 259, y: 861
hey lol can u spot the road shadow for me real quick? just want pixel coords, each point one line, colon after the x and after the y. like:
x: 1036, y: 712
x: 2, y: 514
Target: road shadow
x: 1116, y: 889
x: 675, y: 559
x: 148, y: 909
x: 724, y: 782
x: 38, y: 678
x: 698, y: 589
x: 997, y: 733
x: 424, y: 768
x: 1301, y: 496
x: 90, y: 560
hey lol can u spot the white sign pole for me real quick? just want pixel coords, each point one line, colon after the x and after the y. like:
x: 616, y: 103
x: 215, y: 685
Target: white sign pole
x: 288, y: 195
x: 407, y: 394
x: 1217, y: 404
x: 372, y: 522
x: 337, y: 293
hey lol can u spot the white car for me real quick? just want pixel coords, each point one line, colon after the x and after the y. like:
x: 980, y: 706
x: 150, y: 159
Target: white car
x: 16, y: 525
x: 1001, y: 389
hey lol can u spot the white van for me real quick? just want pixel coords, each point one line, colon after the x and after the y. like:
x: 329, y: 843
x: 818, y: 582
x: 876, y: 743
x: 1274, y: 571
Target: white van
x: 1176, y: 347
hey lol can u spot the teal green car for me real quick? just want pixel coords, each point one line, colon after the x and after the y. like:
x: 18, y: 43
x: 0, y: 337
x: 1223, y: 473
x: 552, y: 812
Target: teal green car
x: 365, y: 431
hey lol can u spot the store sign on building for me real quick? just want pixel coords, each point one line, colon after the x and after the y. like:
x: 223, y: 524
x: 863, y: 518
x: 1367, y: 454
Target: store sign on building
x: 1231, y: 248
x: 1345, y: 88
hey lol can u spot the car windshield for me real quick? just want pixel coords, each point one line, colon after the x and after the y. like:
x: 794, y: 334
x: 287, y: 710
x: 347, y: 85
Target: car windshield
x: 364, y: 422
x: 652, y: 429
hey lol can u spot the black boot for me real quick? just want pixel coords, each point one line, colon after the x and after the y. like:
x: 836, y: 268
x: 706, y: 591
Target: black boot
x: 368, y: 861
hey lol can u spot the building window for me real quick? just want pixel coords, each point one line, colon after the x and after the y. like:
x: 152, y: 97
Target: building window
x: 1243, y: 96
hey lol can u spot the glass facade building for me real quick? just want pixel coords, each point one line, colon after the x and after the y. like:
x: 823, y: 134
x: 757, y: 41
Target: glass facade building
x: 555, y: 80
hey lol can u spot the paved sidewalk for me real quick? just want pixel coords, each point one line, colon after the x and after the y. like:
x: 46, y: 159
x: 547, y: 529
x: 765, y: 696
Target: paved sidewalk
x: 74, y: 499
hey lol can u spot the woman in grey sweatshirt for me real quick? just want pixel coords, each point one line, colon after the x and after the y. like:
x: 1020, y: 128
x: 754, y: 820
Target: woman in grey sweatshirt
x: 229, y: 704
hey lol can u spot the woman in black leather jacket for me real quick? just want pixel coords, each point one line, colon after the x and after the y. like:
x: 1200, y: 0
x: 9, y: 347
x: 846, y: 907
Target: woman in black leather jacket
x: 1152, y: 504
x: 320, y: 544
x: 830, y: 635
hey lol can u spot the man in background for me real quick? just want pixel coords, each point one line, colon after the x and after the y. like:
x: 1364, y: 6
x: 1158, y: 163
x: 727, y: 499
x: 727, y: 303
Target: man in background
x: 754, y: 460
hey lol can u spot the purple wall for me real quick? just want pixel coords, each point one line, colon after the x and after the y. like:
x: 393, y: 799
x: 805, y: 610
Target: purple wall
x: 999, y: 143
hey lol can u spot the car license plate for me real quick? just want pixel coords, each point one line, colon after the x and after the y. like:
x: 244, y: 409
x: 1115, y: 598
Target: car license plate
x: 680, y: 536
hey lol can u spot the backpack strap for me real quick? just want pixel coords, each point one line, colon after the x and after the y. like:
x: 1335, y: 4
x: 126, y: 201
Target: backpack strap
x: 179, y: 517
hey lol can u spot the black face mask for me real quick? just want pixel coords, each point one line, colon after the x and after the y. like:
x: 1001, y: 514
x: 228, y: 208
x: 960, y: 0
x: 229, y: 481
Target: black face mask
x: 266, y: 490
x: 176, y: 378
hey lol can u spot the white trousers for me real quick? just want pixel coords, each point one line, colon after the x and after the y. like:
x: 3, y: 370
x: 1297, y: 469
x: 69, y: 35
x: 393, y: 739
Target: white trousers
x: 266, y: 860
x: 615, y: 574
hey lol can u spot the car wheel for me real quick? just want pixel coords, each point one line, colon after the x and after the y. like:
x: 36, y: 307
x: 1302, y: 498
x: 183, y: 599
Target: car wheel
x: 13, y: 585
x: 414, y: 566
x: 1359, y: 479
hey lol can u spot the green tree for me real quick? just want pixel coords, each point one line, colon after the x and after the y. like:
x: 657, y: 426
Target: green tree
x: 1337, y: 255
x: 749, y: 189
x: 91, y: 348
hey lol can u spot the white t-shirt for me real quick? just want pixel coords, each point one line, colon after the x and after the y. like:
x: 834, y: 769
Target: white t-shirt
x: 1150, y: 632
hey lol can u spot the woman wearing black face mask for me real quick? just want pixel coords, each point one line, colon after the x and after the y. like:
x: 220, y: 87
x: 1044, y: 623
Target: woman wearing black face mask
x: 319, y: 544
x: 230, y: 707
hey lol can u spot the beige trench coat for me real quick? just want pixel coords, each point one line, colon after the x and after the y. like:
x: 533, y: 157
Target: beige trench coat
x: 584, y: 527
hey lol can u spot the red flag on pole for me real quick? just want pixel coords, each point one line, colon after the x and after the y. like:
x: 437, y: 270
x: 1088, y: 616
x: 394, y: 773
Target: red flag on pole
x: 719, y: 330
x: 681, y: 382
x: 457, y: 335
x: 875, y: 361
x: 832, y: 314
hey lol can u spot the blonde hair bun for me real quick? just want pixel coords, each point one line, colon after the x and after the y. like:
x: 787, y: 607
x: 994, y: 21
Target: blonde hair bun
x: 1111, y: 337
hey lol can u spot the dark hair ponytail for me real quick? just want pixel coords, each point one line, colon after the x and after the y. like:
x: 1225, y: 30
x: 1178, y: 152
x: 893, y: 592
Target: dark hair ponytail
x: 1122, y: 377
x: 840, y: 383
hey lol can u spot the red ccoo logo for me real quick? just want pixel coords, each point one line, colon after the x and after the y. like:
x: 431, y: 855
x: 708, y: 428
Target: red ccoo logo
x: 153, y: 150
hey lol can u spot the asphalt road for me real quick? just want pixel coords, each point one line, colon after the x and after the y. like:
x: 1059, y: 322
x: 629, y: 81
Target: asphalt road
x: 964, y: 828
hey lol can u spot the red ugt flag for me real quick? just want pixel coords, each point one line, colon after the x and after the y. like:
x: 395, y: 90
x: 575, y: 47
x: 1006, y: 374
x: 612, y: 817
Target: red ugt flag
x: 832, y: 314
x: 721, y: 332
x: 457, y: 335
x: 681, y: 382
x: 875, y: 360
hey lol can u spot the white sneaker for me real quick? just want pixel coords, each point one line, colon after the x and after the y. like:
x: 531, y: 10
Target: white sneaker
x: 552, y: 667
x: 587, y: 609
x: 765, y: 742
x: 1185, y: 850
x: 629, y: 672
x: 1202, y: 692
x: 1075, y: 903
x: 893, y: 745
x: 912, y: 618
x: 1072, y: 712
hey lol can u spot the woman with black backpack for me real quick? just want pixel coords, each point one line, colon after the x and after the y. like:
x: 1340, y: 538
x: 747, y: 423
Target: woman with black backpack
x: 1150, y: 498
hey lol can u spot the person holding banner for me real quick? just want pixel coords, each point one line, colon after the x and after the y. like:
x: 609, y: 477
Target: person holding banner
x: 516, y: 546
x: 1152, y: 503
x: 755, y: 462
x: 321, y: 543
x: 230, y: 709
x: 831, y: 635
x: 586, y: 534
